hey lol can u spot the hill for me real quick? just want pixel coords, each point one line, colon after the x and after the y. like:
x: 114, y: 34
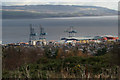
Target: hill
x: 46, y: 11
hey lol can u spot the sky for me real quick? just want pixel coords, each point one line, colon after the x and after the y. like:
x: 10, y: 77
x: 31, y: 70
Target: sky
x: 111, y: 4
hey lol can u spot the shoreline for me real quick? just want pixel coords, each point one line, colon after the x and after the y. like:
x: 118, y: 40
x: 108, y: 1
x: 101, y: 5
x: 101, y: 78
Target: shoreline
x: 64, y: 17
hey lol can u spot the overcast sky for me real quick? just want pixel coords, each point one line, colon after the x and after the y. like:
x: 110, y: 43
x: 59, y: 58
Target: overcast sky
x: 112, y: 4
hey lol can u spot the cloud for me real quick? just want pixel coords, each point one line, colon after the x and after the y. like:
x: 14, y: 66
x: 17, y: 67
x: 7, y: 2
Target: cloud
x: 60, y: 0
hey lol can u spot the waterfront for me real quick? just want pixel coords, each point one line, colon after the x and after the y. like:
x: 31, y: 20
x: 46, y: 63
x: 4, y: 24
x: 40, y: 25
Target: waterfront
x: 77, y: 59
x: 17, y: 30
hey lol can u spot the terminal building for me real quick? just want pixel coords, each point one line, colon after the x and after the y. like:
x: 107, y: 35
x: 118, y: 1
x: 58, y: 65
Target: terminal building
x: 97, y: 39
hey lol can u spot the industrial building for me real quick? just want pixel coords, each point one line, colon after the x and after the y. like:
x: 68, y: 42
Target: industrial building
x: 96, y: 39
x: 86, y: 39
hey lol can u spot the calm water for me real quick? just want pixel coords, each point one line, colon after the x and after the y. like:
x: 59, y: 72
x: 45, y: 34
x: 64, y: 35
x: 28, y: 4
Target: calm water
x: 17, y: 30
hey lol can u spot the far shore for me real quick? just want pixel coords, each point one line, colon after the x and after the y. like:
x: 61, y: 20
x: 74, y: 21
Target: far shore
x: 66, y: 17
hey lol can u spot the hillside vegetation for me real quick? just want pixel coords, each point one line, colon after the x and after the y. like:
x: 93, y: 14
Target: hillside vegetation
x: 34, y: 62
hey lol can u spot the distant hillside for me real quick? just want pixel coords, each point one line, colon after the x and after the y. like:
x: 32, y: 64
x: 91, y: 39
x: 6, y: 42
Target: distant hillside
x: 46, y: 11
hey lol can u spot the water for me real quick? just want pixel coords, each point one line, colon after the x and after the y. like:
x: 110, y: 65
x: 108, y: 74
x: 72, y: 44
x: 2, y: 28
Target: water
x: 17, y: 30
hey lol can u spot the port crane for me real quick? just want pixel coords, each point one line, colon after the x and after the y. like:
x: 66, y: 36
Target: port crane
x: 42, y: 33
x: 71, y: 32
x: 32, y: 33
